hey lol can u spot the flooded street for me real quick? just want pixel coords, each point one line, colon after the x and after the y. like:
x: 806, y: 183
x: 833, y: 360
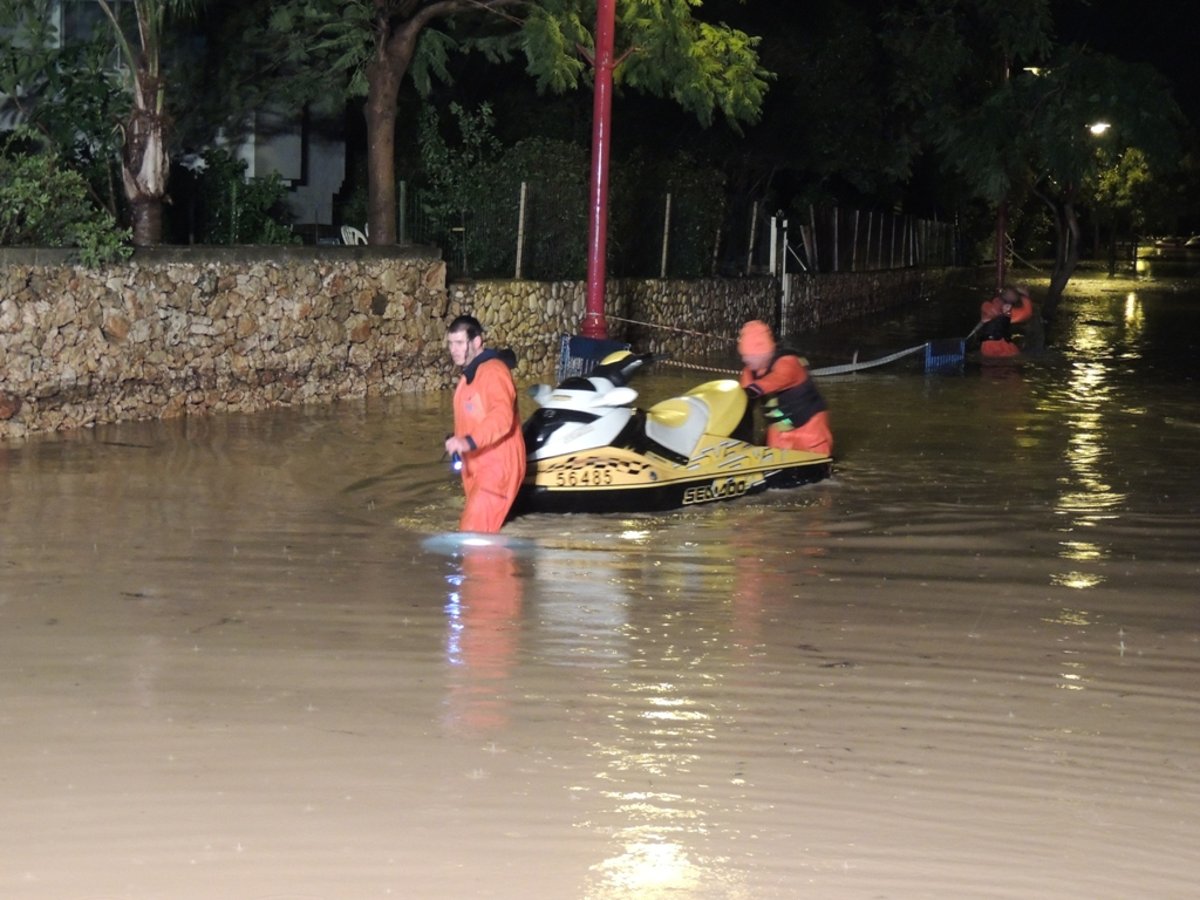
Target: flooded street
x: 245, y: 657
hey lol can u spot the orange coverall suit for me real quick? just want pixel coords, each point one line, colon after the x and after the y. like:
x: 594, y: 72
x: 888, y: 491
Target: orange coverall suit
x: 485, y: 414
x: 805, y: 424
x: 996, y: 341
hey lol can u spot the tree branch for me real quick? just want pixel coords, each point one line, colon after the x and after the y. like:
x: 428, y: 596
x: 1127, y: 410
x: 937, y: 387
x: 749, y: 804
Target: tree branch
x: 412, y: 26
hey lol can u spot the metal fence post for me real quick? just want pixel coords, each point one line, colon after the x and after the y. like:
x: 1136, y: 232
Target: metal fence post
x: 520, y: 230
x: 666, y: 237
x: 753, y: 235
x: 402, y: 213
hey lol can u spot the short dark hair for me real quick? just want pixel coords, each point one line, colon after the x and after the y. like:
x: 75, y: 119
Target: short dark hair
x: 469, y: 324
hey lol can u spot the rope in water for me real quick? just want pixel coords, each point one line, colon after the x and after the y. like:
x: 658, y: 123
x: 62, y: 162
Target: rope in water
x: 697, y: 367
x: 857, y: 366
x: 701, y: 334
x: 844, y: 369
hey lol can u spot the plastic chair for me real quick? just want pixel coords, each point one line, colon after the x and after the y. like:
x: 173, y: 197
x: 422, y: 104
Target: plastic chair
x: 351, y: 235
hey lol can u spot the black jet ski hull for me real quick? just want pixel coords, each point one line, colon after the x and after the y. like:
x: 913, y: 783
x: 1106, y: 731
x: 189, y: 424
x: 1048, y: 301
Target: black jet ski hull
x: 615, y: 480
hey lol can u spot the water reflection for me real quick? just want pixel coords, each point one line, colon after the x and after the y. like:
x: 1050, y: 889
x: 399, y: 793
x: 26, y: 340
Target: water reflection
x: 1075, y: 623
x: 636, y: 607
x: 1087, y: 496
x: 1134, y: 322
x: 658, y: 732
x: 1076, y: 579
x: 608, y: 611
x: 483, y: 627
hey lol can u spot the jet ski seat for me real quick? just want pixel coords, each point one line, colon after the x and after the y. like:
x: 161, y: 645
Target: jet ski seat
x: 715, y: 407
x: 677, y: 424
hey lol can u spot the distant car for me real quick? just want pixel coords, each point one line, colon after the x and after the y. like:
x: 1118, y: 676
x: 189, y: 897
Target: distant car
x: 1193, y: 241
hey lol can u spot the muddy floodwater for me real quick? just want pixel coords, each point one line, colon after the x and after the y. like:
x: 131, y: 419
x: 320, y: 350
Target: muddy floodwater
x: 245, y: 657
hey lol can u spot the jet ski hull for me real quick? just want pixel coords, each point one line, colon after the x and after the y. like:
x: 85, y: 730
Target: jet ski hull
x: 620, y: 480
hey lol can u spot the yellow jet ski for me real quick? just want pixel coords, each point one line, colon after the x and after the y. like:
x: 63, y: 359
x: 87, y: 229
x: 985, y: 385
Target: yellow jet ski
x: 591, y: 450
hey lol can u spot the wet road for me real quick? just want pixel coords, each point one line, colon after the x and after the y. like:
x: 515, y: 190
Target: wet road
x: 242, y: 657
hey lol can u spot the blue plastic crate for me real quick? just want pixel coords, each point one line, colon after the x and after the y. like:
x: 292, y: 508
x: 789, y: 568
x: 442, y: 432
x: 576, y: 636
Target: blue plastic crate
x: 945, y: 356
x: 578, y: 355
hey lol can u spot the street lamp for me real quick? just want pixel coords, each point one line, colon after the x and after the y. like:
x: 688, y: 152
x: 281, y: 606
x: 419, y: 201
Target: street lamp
x: 1099, y: 128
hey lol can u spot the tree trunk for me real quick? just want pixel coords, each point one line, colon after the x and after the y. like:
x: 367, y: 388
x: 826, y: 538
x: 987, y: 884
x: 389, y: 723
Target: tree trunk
x: 384, y: 76
x: 144, y: 162
x: 1066, y: 256
x: 380, y: 112
x: 147, y: 221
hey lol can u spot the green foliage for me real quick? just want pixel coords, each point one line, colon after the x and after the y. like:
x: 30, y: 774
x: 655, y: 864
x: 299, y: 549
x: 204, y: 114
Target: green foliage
x: 460, y: 204
x: 27, y: 39
x: 550, y: 40
x: 238, y: 210
x: 352, y: 205
x: 704, y: 67
x: 44, y: 204
x: 455, y: 170
x: 1008, y: 111
x: 1122, y: 184
x: 472, y: 197
x: 953, y: 60
x: 372, y: 47
x: 1081, y: 88
x: 66, y: 92
x: 638, y: 212
x: 556, y: 230
x: 832, y: 87
x: 310, y: 47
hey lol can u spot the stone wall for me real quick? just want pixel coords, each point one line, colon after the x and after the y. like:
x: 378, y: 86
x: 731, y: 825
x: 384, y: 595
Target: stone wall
x: 688, y: 319
x: 694, y: 320
x: 188, y: 331
x: 840, y: 296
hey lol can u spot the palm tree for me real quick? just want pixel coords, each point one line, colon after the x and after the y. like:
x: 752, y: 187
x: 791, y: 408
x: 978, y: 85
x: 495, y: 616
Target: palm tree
x: 145, y: 162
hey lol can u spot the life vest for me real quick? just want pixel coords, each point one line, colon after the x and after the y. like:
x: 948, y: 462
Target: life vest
x: 1022, y: 310
x: 996, y: 329
x: 794, y: 406
x: 997, y: 325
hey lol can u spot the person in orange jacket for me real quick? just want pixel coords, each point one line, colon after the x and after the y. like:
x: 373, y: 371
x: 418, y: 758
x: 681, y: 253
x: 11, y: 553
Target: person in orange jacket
x: 796, y: 413
x: 997, y: 316
x: 487, y: 429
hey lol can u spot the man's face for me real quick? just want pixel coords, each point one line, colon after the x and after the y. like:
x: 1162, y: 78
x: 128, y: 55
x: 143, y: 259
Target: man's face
x: 757, y: 361
x: 462, y: 348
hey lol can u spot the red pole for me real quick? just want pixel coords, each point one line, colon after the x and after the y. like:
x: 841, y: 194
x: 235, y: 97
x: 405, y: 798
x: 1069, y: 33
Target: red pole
x: 594, y: 325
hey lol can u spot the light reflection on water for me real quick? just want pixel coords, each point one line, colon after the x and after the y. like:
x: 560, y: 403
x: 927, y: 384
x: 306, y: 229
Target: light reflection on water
x: 246, y: 648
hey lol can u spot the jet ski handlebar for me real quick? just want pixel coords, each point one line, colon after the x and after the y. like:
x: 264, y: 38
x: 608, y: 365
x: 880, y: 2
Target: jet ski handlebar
x: 620, y: 370
x: 616, y: 369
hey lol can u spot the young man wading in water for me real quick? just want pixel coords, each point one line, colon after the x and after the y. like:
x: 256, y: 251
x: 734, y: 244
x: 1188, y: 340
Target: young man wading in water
x: 487, y: 430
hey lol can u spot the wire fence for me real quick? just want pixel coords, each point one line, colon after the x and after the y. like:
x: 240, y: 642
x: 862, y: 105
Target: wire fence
x: 541, y: 235
x: 832, y: 239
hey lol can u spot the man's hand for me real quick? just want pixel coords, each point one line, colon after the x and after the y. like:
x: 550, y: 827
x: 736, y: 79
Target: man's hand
x: 457, y: 445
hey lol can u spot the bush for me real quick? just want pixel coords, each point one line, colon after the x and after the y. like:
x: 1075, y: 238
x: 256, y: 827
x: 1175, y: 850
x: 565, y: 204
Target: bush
x: 472, y: 204
x: 234, y: 209
x: 43, y: 204
x: 637, y: 207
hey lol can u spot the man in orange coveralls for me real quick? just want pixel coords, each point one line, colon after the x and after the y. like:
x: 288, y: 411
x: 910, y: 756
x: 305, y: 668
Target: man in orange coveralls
x: 997, y: 316
x: 797, y: 416
x: 487, y: 430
